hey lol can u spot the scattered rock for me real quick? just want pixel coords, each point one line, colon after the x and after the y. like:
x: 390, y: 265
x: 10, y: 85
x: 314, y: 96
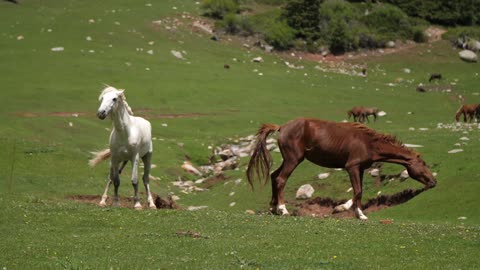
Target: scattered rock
x: 464, y: 139
x: 468, y: 56
x: 258, y: 59
x: 453, y: 151
x: 250, y: 212
x: 381, y: 113
x: 374, y: 172
x: 177, y: 54
x: 196, y: 208
x: 390, y: 44
x: 323, y: 175
x: 188, y: 167
x: 58, y: 49
x: 232, y: 204
x: 305, y: 192
x: 404, y: 174
x: 462, y: 218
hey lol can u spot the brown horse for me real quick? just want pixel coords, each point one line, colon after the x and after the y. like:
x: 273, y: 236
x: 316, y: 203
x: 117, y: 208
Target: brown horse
x: 351, y: 146
x: 356, y: 112
x: 470, y: 112
x: 361, y: 114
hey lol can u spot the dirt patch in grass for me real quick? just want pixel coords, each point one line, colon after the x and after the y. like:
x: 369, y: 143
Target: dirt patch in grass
x: 324, y: 207
x: 127, y: 202
x: 211, y: 181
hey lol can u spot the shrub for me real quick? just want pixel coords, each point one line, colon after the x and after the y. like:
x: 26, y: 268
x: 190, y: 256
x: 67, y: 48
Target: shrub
x: 341, y: 39
x: 420, y: 36
x: 280, y: 35
x: 219, y: 8
x: 389, y: 21
x: 235, y: 24
x: 303, y: 16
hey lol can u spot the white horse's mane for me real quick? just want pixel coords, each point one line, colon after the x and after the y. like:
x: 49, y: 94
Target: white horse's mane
x: 109, y: 89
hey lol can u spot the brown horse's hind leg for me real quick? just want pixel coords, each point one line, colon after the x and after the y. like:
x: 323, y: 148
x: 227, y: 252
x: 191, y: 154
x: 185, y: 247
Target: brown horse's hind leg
x: 356, y: 178
x: 285, y: 171
x: 274, y: 201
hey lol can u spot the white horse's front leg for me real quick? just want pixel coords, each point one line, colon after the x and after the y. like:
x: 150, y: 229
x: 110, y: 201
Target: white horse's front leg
x: 135, y: 182
x: 146, y: 180
x: 103, y: 202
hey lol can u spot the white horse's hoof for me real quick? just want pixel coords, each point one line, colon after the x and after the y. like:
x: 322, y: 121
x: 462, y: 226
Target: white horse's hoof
x: 153, y: 206
x: 137, y: 206
x: 282, y: 210
x: 102, y: 204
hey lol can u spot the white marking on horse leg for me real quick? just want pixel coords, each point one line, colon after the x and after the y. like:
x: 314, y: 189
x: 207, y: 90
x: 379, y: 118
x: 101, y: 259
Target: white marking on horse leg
x: 282, y: 210
x: 103, y: 202
x: 146, y: 180
x: 359, y: 214
x: 137, y: 204
x: 344, y: 207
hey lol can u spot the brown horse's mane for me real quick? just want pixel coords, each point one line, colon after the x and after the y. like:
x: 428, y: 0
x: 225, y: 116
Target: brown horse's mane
x: 386, y: 138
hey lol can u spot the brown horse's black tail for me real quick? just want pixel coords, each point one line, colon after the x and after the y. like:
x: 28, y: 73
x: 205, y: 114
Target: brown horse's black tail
x: 349, y: 113
x: 261, y: 160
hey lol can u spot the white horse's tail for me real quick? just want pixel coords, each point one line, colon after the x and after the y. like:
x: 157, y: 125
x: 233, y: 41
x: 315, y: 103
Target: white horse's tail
x: 99, y: 157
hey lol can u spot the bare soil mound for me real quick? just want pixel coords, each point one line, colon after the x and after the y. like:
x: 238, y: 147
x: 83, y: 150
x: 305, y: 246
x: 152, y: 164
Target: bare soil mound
x: 323, y: 207
x: 127, y: 202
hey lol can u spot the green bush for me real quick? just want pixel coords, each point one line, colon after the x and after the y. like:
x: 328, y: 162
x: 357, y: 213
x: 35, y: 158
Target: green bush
x: 219, y: 8
x: 389, y: 21
x: 341, y: 39
x: 454, y: 33
x: 280, y: 35
x: 420, y: 36
x: 444, y: 12
x: 235, y: 24
x: 303, y: 16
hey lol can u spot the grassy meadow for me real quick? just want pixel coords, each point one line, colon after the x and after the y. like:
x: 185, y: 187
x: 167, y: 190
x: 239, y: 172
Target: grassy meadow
x: 48, y: 128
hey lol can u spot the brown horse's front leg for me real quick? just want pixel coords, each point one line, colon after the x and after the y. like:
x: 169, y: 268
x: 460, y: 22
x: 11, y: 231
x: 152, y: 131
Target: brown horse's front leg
x: 356, y: 178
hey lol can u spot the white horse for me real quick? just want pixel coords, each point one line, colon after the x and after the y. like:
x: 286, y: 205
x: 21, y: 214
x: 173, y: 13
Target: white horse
x: 130, y: 140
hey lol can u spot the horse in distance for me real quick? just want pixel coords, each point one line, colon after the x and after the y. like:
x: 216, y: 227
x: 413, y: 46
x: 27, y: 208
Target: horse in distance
x: 469, y: 112
x: 351, y: 146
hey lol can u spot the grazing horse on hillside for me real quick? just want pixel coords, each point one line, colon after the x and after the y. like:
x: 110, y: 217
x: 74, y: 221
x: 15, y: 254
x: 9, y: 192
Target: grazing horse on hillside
x: 130, y: 140
x: 356, y: 112
x: 435, y: 76
x: 351, y: 146
x: 470, y: 112
x: 361, y: 114
x: 369, y: 111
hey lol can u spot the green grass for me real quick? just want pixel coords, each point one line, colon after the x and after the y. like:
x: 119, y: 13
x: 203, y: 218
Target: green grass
x: 43, y: 160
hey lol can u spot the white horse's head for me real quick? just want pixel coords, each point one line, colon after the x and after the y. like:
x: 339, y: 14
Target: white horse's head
x: 109, y: 98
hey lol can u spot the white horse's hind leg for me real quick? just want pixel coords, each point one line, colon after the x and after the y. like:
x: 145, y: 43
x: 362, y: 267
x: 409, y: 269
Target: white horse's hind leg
x: 115, y: 177
x: 135, y: 182
x: 146, y: 181
x: 343, y: 207
x: 103, y: 202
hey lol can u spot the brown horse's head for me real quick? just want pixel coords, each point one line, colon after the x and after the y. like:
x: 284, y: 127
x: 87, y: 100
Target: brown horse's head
x: 418, y: 170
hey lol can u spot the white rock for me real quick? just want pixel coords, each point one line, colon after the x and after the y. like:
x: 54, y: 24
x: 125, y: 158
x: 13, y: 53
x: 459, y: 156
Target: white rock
x: 381, y: 113
x: 175, y: 198
x: 195, y: 208
x: 407, y: 70
x: 305, y: 192
x: 411, y: 128
x: 464, y: 139
x: 350, y: 189
x: 468, y: 56
x: 150, y: 52
x: 238, y: 181
x: 258, y: 59
x: 374, y: 172
x: 232, y: 204
x: 323, y: 175
x: 409, y: 145
x: 404, y: 174
x: 379, y: 192
x: 58, y: 49
x: 453, y: 151
x: 88, y: 38
x: 177, y: 54
x: 201, y: 180
x: 423, y: 129
x: 462, y: 218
